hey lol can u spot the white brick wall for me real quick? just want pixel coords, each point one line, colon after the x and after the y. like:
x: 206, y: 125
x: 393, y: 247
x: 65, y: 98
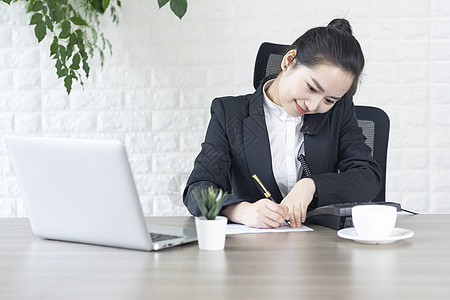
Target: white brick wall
x: 154, y: 92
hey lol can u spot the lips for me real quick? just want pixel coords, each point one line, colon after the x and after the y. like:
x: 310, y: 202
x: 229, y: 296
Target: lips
x: 300, y: 110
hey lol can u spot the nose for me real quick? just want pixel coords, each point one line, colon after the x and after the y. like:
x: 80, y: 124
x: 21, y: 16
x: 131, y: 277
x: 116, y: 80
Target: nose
x: 313, y: 103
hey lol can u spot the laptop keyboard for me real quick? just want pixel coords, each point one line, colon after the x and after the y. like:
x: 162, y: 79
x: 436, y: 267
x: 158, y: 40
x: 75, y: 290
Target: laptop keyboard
x: 157, y: 237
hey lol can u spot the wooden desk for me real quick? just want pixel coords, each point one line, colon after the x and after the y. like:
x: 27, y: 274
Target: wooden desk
x: 302, y: 265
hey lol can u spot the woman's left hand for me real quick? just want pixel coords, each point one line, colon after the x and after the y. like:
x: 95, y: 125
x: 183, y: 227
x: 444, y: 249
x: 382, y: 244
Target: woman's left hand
x: 298, y: 200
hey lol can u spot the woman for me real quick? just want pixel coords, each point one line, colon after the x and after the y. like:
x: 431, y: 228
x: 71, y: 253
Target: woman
x: 307, y: 109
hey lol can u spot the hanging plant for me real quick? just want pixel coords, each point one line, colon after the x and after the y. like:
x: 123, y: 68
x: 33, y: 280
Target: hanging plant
x: 178, y: 7
x: 74, y: 27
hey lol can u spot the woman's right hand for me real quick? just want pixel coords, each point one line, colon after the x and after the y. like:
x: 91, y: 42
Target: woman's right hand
x: 261, y: 214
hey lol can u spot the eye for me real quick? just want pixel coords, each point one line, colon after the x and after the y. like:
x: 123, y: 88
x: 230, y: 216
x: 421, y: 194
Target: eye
x: 311, y: 88
x: 329, y: 101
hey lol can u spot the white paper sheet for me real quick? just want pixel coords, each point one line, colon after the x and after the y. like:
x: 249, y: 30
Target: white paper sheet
x: 239, y: 229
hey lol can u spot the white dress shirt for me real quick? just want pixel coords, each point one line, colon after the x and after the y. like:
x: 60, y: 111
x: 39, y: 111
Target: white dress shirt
x: 285, y: 140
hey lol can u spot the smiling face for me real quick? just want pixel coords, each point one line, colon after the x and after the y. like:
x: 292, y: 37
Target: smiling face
x: 303, y: 90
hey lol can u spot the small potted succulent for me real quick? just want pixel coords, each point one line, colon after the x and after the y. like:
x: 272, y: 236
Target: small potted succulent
x: 211, y: 229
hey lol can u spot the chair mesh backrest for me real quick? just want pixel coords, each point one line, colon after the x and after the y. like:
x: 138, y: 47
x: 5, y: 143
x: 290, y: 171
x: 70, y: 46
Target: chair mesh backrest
x: 374, y: 123
x: 368, y: 128
x: 273, y: 64
x: 268, y: 61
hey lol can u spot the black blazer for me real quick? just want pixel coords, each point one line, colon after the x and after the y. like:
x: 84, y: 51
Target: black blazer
x: 237, y: 146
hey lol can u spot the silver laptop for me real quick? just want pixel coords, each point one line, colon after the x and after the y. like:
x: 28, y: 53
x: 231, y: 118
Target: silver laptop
x: 82, y: 190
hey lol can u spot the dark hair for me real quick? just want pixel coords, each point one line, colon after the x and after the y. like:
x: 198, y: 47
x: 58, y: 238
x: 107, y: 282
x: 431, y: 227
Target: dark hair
x: 334, y: 44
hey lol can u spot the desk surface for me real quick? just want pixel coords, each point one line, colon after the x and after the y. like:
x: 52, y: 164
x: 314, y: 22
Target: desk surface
x: 294, y: 265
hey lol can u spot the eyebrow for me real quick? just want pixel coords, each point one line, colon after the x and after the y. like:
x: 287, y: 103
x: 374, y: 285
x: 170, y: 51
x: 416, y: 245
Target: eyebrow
x: 321, y: 88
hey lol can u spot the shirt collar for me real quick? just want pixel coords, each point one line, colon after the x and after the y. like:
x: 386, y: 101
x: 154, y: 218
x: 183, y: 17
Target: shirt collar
x: 275, y: 109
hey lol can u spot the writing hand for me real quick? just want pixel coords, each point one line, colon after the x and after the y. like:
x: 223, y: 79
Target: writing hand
x: 298, y: 201
x: 262, y: 214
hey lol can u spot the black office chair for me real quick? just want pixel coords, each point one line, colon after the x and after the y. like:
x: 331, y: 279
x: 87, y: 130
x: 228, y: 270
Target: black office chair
x: 373, y: 121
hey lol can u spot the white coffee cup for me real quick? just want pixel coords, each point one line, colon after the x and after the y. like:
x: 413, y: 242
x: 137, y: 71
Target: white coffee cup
x: 374, y: 221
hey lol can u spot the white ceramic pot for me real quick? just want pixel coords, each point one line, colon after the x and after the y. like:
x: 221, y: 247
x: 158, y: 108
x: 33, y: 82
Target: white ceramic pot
x: 211, y: 233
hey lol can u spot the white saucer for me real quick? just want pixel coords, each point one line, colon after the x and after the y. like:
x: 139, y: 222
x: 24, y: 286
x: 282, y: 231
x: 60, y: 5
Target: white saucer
x: 396, y: 235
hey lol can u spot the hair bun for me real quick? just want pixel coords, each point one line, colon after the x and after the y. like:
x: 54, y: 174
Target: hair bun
x: 341, y: 24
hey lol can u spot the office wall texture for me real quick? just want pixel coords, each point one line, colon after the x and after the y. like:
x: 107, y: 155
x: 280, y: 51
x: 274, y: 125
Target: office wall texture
x: 155, y: 90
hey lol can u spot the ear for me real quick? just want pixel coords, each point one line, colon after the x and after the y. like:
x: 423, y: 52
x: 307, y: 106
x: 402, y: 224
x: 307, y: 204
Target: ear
x: 287, y: 59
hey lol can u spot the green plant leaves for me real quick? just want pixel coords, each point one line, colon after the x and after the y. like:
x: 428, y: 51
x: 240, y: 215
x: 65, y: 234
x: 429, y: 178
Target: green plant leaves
x: 51, y: 3
x: 39, y: 19
x: 58, y: 14
x: 65, y: 30
x: 105, y: 4
x: 54, y: 46
x: 73, y: 39
x: 86, y: 67
x: 209, y: 201
x: 76, y: 62
x: 68, y: 83
x: 40, y: 30
x: 36, y: 18
x: 62, y: 53
x: 161, y: 3
x: 74, y: 26
x: 77, y: 20
x: 178, y: 7
x: 61, y: 70
x: 98, y: 5
x: 37, y: 6
x: 48, y: 23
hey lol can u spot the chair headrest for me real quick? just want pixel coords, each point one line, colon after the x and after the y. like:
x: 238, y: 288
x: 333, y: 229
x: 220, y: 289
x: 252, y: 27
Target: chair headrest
x: 268, y: 61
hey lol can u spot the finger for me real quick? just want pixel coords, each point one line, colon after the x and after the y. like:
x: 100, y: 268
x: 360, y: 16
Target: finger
x: 279, y: 209
x: 278, y: 212
x: 268, y: 218
x: 304, y: 208
x: 285, y: 210
x: 297, y: 216
x: 275, y: 217
x: 286, y: 214
x: 294, y: 217
x: 260, y: 224
x: 270, y: 223
x: 291, y: 218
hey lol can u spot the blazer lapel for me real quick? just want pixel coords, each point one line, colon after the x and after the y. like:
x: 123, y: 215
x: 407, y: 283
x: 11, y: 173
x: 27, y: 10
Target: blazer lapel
x: 256, y: 144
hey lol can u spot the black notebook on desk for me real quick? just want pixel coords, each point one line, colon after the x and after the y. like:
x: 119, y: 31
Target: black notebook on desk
x: 338, y: 216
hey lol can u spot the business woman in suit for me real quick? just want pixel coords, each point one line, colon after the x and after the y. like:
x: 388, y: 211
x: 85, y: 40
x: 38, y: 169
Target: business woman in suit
x: 307, y: 109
